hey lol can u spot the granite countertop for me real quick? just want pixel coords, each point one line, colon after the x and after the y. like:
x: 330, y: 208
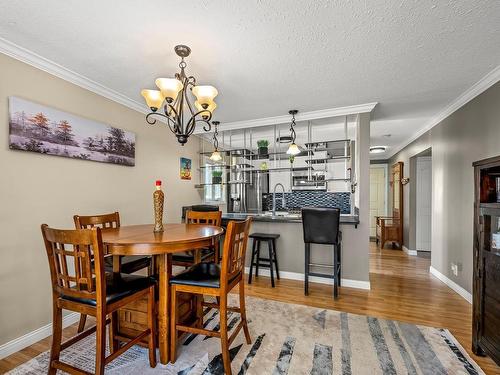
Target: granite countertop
x: 282, y: 217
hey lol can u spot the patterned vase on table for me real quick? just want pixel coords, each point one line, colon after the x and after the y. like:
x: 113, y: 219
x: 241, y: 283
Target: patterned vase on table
x: 158, y: 199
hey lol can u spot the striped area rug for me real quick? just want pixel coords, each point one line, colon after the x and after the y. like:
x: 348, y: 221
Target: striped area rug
x: 295, y: 339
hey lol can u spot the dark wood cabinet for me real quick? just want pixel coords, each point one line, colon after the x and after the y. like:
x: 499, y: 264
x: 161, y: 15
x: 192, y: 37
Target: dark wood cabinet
x: 486, y: 282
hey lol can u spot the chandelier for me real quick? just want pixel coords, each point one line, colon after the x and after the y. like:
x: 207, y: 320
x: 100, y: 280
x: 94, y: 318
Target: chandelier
x: 176, y: 99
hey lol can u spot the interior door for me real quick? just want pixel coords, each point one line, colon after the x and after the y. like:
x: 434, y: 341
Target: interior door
x: 424, y: 203
x: 378, y: 189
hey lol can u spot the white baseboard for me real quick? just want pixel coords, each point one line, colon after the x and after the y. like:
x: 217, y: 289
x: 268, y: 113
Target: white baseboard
x: 314, y: 279
x: 413, y: 253
x: 453, y: 285
x: 34, y: 336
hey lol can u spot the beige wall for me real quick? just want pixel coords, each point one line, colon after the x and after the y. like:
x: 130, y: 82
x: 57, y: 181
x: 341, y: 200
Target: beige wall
x: 36, y: 189
x: 471, y: 133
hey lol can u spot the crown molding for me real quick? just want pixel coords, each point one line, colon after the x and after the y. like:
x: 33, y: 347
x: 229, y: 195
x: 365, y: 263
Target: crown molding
x: 475, y: 90
x: 22, y: 54
x: 301, y: 116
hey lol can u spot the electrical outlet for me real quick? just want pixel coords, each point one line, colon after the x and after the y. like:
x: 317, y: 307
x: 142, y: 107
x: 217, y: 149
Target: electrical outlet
x: 454, y: 269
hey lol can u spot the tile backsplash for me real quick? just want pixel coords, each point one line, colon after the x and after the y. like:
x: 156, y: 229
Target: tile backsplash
x: 298, y: 199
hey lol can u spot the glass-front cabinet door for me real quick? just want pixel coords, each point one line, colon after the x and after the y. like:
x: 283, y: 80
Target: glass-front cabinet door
x: 490, y: 230
x: 489, y: 257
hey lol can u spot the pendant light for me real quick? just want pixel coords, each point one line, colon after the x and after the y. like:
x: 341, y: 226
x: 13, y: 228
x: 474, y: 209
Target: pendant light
x: 216, y: 156
x: 293, y: 149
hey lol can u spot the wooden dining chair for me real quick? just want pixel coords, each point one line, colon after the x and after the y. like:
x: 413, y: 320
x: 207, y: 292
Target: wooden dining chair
x: 215, y: 280
x: 80, y: 284
x: 210, y: 254
x: 126, y: 264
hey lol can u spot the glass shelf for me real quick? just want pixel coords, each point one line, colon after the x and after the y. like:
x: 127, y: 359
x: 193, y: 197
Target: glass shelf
x: 337, y: 179
x: 214, y: 166
x: 333, y: 159
x: 241, y: 166
x: 493, y: 205
x: 199, y: 186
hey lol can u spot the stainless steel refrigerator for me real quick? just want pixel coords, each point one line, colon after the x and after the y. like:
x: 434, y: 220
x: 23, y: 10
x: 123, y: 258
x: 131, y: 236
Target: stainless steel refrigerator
x: 245, y: 190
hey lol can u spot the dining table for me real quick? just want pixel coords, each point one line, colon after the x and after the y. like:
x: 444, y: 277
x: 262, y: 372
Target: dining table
x: 142, y: 240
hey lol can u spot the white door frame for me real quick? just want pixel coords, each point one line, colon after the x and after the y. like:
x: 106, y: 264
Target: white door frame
x: 418, y: 197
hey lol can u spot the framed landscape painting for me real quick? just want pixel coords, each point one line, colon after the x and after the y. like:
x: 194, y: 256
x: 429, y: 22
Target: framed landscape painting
x: 37, y: 128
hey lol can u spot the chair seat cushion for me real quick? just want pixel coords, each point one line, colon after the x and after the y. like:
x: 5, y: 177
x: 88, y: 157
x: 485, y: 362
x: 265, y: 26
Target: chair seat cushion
x: 202, y: 274
x: 129, y: 263
x: 264, y: 236
x: 189, y: 257
x: 118, y: 286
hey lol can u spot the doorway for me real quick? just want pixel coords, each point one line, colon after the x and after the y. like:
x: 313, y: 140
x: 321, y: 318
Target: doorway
x: 423, y: 203
x: 378, y: 195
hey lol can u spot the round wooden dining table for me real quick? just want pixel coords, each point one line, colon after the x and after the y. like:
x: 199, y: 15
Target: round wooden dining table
x: 142, y: 240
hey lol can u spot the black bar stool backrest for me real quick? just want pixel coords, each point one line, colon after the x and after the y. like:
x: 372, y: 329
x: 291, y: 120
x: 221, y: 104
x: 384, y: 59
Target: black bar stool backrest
x: 204, y: 208
x: 321, y: 225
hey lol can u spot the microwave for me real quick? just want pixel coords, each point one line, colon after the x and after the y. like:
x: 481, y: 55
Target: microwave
x: 303, y: 182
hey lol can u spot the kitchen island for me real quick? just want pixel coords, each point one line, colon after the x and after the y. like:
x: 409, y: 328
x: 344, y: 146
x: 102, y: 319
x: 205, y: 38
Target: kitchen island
x: 290, y: 246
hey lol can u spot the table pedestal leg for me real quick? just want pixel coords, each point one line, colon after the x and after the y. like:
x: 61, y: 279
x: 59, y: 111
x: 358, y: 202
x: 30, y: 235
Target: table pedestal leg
x: 164, y: 262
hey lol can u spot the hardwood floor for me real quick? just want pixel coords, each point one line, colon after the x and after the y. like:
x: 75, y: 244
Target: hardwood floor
x: 401, y: 289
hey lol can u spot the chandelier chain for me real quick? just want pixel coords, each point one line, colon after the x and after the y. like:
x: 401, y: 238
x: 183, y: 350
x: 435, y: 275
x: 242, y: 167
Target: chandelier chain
x: 216, y: 133
x: 292, y: 128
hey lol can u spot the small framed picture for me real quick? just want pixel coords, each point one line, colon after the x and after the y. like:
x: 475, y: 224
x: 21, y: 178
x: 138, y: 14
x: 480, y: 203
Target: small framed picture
x: 185, y: 169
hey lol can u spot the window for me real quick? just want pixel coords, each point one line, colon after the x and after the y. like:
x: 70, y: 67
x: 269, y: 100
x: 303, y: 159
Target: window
x: 213, y: 192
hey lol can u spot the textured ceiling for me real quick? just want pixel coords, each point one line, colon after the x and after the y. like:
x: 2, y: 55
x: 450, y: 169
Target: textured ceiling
x: 265, y: 56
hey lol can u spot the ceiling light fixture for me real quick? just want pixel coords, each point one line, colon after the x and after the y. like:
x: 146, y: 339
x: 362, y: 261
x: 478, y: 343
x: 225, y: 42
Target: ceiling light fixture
x: 377, y: 149
x: 174, y: 98
x: 293, y: 149
x: 216, y: 156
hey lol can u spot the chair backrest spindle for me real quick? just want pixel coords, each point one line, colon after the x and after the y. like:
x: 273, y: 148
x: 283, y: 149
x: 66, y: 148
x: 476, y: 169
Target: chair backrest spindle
x: 208, y: 217
x: 70, y: 254
x: 105, y: 221
x: 235, y: 245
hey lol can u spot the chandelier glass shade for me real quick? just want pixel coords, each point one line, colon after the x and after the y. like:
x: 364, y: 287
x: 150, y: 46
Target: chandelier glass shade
x: 211, y: 107
x: 154, y: 98
x: 169, y: 88
x: 293, y: 149
x: 180, y: 102
x: 216, y: 156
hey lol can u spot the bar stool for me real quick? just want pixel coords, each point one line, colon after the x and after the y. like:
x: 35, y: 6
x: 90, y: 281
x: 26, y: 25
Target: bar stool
x: 257, y: 261
x: 321, y: 226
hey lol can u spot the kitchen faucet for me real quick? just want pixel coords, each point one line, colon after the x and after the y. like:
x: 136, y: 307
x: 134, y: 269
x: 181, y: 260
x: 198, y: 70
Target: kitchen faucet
x: 283, y: 200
